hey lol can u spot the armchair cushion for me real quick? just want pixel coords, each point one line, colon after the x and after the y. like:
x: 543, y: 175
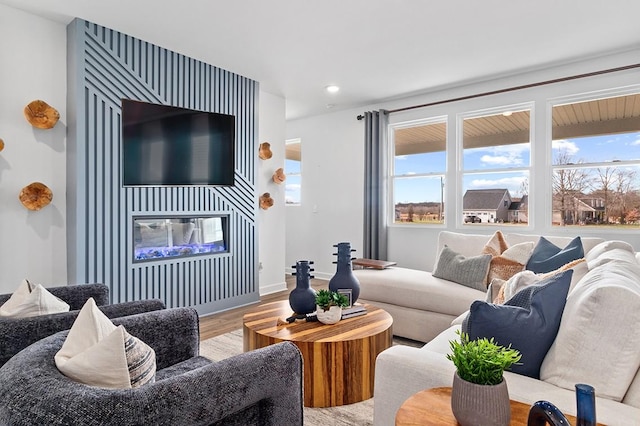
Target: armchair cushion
x: 30, y: 300
x: 98, y: 353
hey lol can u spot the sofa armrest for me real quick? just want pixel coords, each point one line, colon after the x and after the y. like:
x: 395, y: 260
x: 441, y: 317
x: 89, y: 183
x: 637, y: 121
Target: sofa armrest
x: 174, y: 334
x: 18, y: 333
x: 402, y: 371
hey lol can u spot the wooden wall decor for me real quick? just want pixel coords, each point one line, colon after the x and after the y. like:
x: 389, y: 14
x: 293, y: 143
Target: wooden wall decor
x: 279, y: 176
x: 1, y: 144
x: 35, y: 196
x: 41, y: 115
x: 266, y: 201
x: 264, y: 151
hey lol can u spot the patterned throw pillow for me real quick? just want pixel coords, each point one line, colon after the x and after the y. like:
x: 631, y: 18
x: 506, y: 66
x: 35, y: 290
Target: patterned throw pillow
x: 468, y: 271
x: 30, y: 300
x: 97, y: 353
x: 529, y: 321
x: 506, y: 261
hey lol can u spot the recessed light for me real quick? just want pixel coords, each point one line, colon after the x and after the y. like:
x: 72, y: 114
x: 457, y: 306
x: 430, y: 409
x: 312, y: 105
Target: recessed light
x: 332, y: 88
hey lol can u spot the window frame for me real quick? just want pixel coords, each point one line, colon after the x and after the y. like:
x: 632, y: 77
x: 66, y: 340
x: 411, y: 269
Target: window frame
x: 577, y: 98
x: 289, y: 174
x: 461, y: 172
x: 391, y: 128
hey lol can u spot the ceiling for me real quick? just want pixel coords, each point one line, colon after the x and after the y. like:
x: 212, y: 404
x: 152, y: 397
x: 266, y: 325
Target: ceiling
x: 374, y: 50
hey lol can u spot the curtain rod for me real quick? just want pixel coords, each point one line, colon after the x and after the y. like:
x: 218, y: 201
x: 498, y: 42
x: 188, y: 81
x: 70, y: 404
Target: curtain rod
x: 511, y: 89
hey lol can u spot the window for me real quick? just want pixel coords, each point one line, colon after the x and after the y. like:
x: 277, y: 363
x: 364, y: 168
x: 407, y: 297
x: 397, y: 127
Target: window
x: 419, y: 164
x: 496, y: 153
x: 293, y: 170
x: 596, y: 162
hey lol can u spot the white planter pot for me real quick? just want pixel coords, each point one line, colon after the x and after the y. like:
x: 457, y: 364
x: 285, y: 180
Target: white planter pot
x: 332, y: 316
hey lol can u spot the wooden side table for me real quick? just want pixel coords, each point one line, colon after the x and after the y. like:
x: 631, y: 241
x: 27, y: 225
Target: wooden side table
x: 372, y: 263
x: 432, y: 407
x: 339, y: 359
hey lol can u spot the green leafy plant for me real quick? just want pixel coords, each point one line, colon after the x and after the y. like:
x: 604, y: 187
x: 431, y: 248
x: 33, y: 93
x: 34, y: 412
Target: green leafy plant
x: 481, y: 361
x: 327, y: 298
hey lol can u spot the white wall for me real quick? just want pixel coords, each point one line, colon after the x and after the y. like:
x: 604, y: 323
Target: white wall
x: 333, y: 145
x: 33, y: 55
x: 271, y: 224
x: 332, y: 190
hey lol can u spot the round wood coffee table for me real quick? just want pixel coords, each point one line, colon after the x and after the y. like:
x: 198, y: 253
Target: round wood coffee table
x: 339, y: 359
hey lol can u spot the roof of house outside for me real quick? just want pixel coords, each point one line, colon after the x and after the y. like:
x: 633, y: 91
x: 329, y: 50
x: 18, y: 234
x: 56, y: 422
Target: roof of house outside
x: 484, y: 199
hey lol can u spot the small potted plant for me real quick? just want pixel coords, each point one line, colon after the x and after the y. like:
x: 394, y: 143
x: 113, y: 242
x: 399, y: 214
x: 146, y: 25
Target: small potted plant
x: 329, y: 306
x: 479, y: 394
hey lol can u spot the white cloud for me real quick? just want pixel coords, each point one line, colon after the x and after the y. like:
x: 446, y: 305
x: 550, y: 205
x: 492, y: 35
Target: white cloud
x: 400, y: 157
x: 512, y: 183
x: 292, y: 187
x: 501, y: 160
x: 564, y: 145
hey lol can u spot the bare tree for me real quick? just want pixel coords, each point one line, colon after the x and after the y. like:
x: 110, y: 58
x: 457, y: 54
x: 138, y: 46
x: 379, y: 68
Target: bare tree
x: 568, y: 183
x: 606, y: 179
x: 624, y: 180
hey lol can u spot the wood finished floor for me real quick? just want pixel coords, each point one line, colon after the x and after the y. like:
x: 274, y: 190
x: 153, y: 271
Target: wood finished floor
x: 227, y: 321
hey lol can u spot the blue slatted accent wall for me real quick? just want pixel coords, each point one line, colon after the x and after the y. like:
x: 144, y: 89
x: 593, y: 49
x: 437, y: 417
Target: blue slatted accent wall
x: 104, y: 67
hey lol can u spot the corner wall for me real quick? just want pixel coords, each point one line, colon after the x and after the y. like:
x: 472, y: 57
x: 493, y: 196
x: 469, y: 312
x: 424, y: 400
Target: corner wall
x: 33, y: 57
x: 104, y: 67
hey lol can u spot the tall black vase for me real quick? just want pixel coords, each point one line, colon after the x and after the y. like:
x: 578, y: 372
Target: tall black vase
x: 303, y: 298
x: 344, y: 278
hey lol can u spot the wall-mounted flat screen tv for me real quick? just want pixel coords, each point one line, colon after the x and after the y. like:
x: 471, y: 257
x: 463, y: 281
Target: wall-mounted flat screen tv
x: 167, y: 145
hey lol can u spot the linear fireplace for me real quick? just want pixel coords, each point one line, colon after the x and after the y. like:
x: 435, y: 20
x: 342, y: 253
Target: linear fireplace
x: 162, y: 237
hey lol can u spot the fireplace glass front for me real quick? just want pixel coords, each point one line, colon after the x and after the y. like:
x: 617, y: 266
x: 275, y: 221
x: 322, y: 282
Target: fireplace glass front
x: 158, y: 238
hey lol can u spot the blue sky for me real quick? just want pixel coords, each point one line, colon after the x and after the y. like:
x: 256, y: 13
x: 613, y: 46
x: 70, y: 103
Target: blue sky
x: 589, y: 149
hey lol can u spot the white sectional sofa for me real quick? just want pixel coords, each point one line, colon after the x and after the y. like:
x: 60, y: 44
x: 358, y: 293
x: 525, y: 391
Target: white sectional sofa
x: 422, y: 305
x: 598, y: 341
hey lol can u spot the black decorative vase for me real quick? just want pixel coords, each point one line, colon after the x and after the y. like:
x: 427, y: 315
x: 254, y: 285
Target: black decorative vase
x: 303, y: 298
x: 344, y: 278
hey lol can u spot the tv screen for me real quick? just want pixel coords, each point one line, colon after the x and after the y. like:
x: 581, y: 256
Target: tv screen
x: 167, y: 145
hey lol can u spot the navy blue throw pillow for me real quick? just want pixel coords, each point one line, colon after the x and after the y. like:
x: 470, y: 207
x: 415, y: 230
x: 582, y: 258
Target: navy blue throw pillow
x: 547, y: 257
x: 529, y: 321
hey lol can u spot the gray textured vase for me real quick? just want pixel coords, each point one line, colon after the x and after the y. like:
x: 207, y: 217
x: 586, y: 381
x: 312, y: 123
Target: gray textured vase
x: 480, y: 404
x: 344, y: 278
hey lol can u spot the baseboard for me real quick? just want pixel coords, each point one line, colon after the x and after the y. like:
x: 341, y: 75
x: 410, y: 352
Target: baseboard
x: 273, y: 288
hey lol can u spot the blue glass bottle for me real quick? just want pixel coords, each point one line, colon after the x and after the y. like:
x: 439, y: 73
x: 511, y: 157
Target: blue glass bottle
x: 586, y: 405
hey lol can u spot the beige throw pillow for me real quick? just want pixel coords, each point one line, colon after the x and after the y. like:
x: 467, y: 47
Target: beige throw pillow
x: 97, y: 353
x: 30, y: 300
x: 506, y: 261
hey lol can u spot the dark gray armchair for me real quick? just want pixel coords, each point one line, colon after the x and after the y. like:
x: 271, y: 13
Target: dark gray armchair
x: 262, y: 387
x: 18, y: 333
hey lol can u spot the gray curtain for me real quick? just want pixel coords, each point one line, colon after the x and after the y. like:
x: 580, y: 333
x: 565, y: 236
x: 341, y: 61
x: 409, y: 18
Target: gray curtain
x: 375, y: 190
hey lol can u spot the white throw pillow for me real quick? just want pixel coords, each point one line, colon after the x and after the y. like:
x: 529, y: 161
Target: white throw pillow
x: 97, y: 353
x: 31, y: 300
x: 598, y: 342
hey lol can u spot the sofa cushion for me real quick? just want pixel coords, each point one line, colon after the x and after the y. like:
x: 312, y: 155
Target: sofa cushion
x: 506, y: 261
x: 588, y: 243
x: 528, y: 321
x: 547, y: 256
x: 97, y: 353
x: 465, y: 244
x: 30, y: 300
x: 412, y: 288
x: 599, y: 323
x: 468, y: 271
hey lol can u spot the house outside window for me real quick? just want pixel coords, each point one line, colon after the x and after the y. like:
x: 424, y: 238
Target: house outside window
x: 496, y: 164
x: 596, y: 160
x: 293, y: 171
x: 418, y: 169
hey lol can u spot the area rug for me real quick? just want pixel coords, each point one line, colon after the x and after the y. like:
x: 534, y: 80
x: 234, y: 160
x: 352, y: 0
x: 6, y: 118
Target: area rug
x: 361, y: 413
